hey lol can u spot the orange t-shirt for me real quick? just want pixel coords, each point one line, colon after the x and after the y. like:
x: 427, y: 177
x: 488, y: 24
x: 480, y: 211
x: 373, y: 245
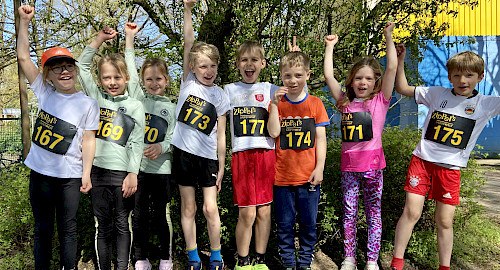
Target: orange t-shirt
x: 296, y: 145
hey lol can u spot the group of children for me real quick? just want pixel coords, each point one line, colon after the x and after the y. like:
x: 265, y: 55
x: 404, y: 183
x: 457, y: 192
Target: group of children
x: 126, y: 147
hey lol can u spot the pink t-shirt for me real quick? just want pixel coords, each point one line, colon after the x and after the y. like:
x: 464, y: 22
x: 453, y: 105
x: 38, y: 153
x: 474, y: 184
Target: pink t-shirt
x: 365, y: 155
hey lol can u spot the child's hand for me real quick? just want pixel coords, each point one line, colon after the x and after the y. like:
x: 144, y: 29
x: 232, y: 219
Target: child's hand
x: 26, y: 13
x: 189, y: 3
x: 401, y: 51
x: 131, y: 28
x: 278, y: 95
x: 316, y: 177
x: 293, y: 47
x: 220, y: 175
x: 389, y: 26
x: 331, y: 40
x: 106, y: 33
x: 86, y: 184
x: 153, y: 151
x: 129, y: 186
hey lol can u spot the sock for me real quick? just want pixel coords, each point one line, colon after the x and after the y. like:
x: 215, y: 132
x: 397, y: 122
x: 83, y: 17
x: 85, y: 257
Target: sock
x: 193, y: 254
x: 260, y: 258
x: 243, y: 261
x: 397, y: 263
x: 215, y: 254
x: 444, y: 267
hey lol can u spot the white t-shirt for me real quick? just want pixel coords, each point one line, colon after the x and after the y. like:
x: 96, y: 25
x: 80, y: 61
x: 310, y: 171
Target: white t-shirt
x: 451, y: 119
x: 251, y: 102
x: 75, y: 109
x: 196, y: 109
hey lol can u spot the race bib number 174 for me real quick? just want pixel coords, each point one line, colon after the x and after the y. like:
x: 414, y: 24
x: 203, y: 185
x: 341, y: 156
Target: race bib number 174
x: 297, y: 133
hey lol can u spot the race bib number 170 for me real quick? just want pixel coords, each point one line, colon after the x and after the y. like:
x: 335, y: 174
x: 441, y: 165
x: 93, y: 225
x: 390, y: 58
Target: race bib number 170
x: 297, y: 133
x: 449, y: 129
x: 198, y: 114
x: 53, y: 134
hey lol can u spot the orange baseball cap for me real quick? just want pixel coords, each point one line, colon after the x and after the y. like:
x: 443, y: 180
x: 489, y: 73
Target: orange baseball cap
x: 56, y: 53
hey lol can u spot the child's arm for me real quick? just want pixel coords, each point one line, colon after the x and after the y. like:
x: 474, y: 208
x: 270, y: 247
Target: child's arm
x: 273, y: 123
x: 26, y: 13
x: 293, y: 47
x: 134, y: 87
x: 88, y: 153
x: 188, y: 36
x: 332, y: 83
x: 402, y: 86
x: 135, y: 145
x: 85, y: 62
x: 392, y: 61
x: 221, y: 148
x: 317, y: 175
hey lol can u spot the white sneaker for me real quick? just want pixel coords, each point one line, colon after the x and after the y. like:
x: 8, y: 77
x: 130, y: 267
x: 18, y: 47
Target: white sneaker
x: 349, y: 263
x: 166, y: 265
x: 142, y: 265
x: 371, y: 265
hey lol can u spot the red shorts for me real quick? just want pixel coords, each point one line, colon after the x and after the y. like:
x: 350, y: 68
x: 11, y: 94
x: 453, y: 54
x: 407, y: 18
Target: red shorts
x: 443, y: 184
x: 253, y: 177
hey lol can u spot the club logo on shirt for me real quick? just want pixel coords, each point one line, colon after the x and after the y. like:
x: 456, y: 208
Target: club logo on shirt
x: 122, y: 109
x: 164, y: 112
x: 470, y: 109
x: 443, y: 104
x: 414, y: 181
x: 447, y: 196
x: 259, y: 97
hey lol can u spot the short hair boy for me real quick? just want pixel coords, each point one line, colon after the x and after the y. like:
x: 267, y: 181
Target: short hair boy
x: 456, y: 118
x: 297, y: 120
x: 253, y: 157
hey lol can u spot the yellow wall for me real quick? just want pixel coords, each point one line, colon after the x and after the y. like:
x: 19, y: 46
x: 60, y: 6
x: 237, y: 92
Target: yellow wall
x: 481, y: 20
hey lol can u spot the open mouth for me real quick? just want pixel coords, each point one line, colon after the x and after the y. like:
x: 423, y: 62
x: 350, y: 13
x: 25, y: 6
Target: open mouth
x: 65, y: 78
x: 249, y: 73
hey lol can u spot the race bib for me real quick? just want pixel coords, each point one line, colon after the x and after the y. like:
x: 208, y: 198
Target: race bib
x: 53, y: 134
x: 156, y: 129
x: 297, y: 133
x: 356, y: 127
x: 449, y: 129
x: 114, y: 126
x: 198, y: 114
x: 250, y: 121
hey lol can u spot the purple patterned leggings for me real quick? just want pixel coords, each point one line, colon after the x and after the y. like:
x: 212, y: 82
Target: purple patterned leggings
x: 372, y: 182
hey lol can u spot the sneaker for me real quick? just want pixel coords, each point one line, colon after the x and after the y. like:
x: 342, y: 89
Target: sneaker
x: 142, y: 265
x: 371, y: 265
x: 260, y: 266
x: 349, y: 264
x: 193, y: 265
x: 166, y: 265
x: 216, y: 265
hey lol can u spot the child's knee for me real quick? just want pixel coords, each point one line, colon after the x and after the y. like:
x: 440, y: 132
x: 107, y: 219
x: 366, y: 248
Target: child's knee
x: 411, y: 213
x: 188, y: 209
x: 444, y: 222
x: 247, y: 215
x: 210, y: 210
x: 264, y: 212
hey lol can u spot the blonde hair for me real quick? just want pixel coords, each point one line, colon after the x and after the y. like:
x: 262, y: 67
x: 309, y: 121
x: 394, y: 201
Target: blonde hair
x: 466, y: 61
x: 367, y: 61
x: 295, y: 59
x: 208, y: 50
x: 250, y: 46
x: 161, y: 65
x: 117, y: 61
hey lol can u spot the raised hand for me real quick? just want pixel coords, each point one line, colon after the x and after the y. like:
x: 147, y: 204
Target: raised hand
x: 331, y: 40
x: 401, y: 52
x: 26, y: 13
x: 131, y: 28
x: 293, y: 47
x: 389, y: 27
x: 189, y: 3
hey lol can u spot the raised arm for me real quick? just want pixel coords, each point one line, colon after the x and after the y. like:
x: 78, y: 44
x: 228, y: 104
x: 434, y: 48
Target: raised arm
x: 134, y: 86
x: 26, y: 13
x: 402, y: 86
x: 392, y: 61
x: 188, y: 33
x: 332, y: 83
x: 293, y: 47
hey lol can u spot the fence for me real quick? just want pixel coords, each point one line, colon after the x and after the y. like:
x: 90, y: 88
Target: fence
x: 10, y: 141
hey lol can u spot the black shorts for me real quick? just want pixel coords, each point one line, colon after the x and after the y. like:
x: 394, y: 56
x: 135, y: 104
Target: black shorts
x: 192, y: 170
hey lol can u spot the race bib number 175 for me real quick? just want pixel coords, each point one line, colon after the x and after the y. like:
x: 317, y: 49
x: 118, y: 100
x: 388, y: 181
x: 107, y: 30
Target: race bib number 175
x: 297, y: 133
x: 449, y: 129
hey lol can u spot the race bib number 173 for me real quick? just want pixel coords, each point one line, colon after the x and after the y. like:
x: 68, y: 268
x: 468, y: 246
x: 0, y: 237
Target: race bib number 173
x: 53, y: 134
x: 297, y: 133
x: 198, y: 114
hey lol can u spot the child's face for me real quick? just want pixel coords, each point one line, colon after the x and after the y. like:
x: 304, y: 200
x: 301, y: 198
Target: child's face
x: 63, y: 76
x: 464, y: 82
x: 250, y: 65
x: 205, y: 70
x: 154, y: 81
x: 112, y: 80
x: 363, y: 82
x: 294, y: 78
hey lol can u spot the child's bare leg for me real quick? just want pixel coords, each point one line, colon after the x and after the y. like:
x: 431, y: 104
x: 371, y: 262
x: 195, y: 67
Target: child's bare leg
x: 246, y: 219
x: 262, y: 228
x: 411, y: 214
x: 444, y: 221
x: 188, y: 212
x: 211, y: 213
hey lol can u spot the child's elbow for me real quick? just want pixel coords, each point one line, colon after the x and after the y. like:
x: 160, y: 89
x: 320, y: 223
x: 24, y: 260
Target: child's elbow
x: 274, y: 134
